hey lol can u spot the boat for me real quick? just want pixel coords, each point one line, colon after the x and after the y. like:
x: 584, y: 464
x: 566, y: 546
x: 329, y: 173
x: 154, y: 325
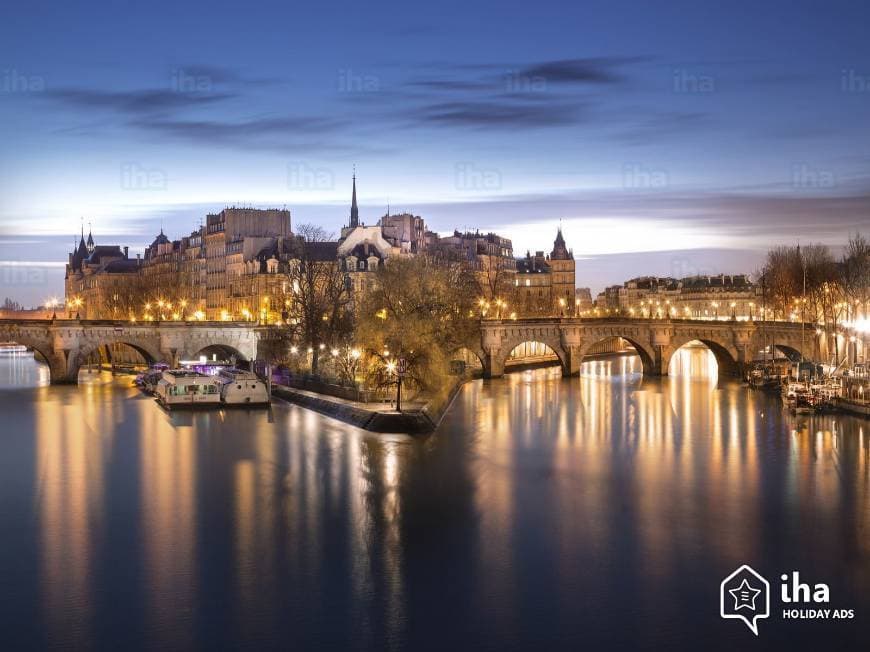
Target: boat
x: 182, y: 388
x: 766, y: 375
x: 148, y: 380
x: 10, y: 348
x: 240, y: 387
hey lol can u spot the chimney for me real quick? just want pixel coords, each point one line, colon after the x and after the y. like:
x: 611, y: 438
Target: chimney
x: 126, y: 252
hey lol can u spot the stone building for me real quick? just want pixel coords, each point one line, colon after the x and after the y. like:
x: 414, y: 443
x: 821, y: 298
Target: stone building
x: 696, y: 297
x: 209, y: 274
x: 96, y: 281
x: 545, y: 284
x: 489, y: 254
x: 363, y: 249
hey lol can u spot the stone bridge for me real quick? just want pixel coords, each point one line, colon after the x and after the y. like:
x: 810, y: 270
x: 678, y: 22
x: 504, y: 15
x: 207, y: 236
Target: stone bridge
x: 734, y: 343
x: 67, y: 344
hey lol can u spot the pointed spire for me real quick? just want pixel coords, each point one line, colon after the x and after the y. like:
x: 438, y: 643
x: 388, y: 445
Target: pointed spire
x: 90, y: 242
x: 354, y: 209
x: 560, y: 250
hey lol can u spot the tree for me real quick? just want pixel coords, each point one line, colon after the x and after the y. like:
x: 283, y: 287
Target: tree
x: 496, y: 279
x: 856, y: 276
x: 420, y: 309
x: 10, y: 305
x: 318, y: 314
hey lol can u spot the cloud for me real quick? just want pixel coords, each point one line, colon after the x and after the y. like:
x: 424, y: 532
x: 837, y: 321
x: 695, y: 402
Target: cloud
x: 498, y: 115
x: 500, y: 96
x: 580, y: 71
x: 285, y: 134
x: 134, y: 102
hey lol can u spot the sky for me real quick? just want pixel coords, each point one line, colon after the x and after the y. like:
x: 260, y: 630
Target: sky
x: 665, y: 138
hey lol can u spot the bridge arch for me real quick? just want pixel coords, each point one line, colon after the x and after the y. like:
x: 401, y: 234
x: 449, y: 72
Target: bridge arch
x: 534, y: 352
x: 222, y: 350
x: 727, y: 356
x: 643, y: 350
x: 509, y: 345
x: 149, y: 352
x: 469, y: 355
x: 791, y: 352
x: 40, y: 343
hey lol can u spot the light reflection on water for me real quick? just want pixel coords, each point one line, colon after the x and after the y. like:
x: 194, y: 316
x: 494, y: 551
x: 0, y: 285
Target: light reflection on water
x: 554, y: 513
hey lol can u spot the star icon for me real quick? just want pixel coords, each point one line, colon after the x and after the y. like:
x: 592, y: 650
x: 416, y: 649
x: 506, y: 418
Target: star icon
x: 744, y: 596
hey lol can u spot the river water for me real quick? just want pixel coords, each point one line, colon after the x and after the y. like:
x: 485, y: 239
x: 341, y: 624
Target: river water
x: 598, y: 512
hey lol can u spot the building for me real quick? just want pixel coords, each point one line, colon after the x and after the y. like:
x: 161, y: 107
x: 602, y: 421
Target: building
x: 232, y: 239
x: 545, y: 284
x: 405, y: 231
x: 718, y: 297
x: 210, y: 274
x: 96, y: 281
x: 695, y: 297
x: 490, y: 255
x: 363, y: 249
x: 583, y: 300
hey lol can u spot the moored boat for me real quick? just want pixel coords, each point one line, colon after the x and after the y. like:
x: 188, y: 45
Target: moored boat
x: 240, y: 387
x: 147, y: 381
x: 10, y: 348
x: 181, y: 388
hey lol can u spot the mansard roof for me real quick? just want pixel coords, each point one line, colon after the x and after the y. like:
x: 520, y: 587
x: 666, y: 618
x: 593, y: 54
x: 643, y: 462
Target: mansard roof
x: 104, y: 251
x: 321, y: 251
x: 122, y: 266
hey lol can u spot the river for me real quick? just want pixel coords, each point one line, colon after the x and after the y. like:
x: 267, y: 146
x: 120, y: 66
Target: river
x: 599, y: 512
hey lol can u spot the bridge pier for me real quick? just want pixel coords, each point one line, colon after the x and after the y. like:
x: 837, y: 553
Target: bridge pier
x: 572, y: 362
x: 660, y: 362
x: 493, y: 364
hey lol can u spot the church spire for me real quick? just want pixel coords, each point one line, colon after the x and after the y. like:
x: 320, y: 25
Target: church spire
x: 90, y: 243
x: 354, y: 209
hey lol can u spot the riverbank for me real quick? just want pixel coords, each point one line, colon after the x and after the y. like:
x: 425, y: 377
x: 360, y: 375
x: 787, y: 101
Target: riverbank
x: 420, y: 419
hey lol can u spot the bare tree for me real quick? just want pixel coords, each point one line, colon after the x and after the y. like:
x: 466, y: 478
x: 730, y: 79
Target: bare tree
x: 318, y: 314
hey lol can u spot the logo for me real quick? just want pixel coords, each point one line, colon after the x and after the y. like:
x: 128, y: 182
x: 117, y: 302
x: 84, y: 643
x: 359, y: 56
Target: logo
x: 745, y: 594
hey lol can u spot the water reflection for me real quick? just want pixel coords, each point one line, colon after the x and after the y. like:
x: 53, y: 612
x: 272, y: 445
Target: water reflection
x: 21, y: 370
x: 545, y: 512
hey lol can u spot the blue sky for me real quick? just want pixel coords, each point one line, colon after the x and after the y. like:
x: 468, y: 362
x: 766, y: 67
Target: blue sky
x: 668, y: 138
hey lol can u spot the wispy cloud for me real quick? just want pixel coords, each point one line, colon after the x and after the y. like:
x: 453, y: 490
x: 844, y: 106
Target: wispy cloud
x: 498, y: 115
x: 283, y: 134
x: 603, y: 70
x: 134, y: 102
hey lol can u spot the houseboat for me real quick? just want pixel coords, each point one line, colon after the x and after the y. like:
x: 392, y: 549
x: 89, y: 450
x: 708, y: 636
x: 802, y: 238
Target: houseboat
x: 240, y: 387
x: 180, y: 388
x: 12, y: 349
x: 148, y: 380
